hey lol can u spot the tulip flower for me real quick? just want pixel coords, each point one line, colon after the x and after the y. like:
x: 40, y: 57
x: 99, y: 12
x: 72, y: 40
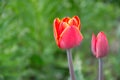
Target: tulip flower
x: 99, y: 46
x: 67, y: 35
x: 67, y: 32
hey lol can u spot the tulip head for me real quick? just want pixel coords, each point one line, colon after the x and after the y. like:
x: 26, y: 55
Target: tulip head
x: 99, y: 45
x: 67, y: 32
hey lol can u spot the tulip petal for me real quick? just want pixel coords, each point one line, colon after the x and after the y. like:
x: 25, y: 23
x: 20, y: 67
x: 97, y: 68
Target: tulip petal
x: 70, y: 37
x: 102, y: 45
x: 66, y: 19
x: 62, y: 26
x: 56, y: 27
x: 73, y: 22
x: 78, y: 20
x: 93, y: 44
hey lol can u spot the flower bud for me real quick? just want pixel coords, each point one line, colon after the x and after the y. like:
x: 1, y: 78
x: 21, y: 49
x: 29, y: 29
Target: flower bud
x: 99, y: 45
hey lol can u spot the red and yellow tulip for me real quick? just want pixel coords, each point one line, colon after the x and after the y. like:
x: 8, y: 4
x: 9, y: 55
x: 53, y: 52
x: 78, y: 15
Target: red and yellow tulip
x: 67, y: 32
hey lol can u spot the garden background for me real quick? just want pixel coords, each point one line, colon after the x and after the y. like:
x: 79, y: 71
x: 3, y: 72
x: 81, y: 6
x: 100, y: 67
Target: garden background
x: 27, y: 47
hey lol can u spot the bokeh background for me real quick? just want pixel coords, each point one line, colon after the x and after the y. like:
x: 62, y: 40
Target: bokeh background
x: 27, y: 47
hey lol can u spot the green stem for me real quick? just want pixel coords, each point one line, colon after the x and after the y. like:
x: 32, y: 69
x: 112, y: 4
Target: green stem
x: 69, y: 56
x: 100, y: 69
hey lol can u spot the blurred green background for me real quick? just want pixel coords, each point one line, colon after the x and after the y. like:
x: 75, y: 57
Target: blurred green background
x: 27, y: 47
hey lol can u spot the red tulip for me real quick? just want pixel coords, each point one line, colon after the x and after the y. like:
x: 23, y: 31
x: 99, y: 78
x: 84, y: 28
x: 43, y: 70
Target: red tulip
x: 66, y: 32
x: 99, y: 45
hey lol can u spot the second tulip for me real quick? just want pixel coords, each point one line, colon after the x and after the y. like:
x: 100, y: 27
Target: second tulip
x: 99, y: 45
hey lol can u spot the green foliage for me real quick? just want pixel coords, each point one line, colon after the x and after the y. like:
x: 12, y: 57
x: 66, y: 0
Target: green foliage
x: 27, y: 47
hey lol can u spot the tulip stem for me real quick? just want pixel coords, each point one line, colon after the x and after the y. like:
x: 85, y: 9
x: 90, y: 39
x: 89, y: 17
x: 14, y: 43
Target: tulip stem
x: 100, y: 69
x: 70, y: 64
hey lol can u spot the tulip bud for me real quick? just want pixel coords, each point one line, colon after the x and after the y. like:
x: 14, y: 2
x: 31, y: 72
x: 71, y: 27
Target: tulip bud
x: 67, y: 32
x: 99, y: 45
